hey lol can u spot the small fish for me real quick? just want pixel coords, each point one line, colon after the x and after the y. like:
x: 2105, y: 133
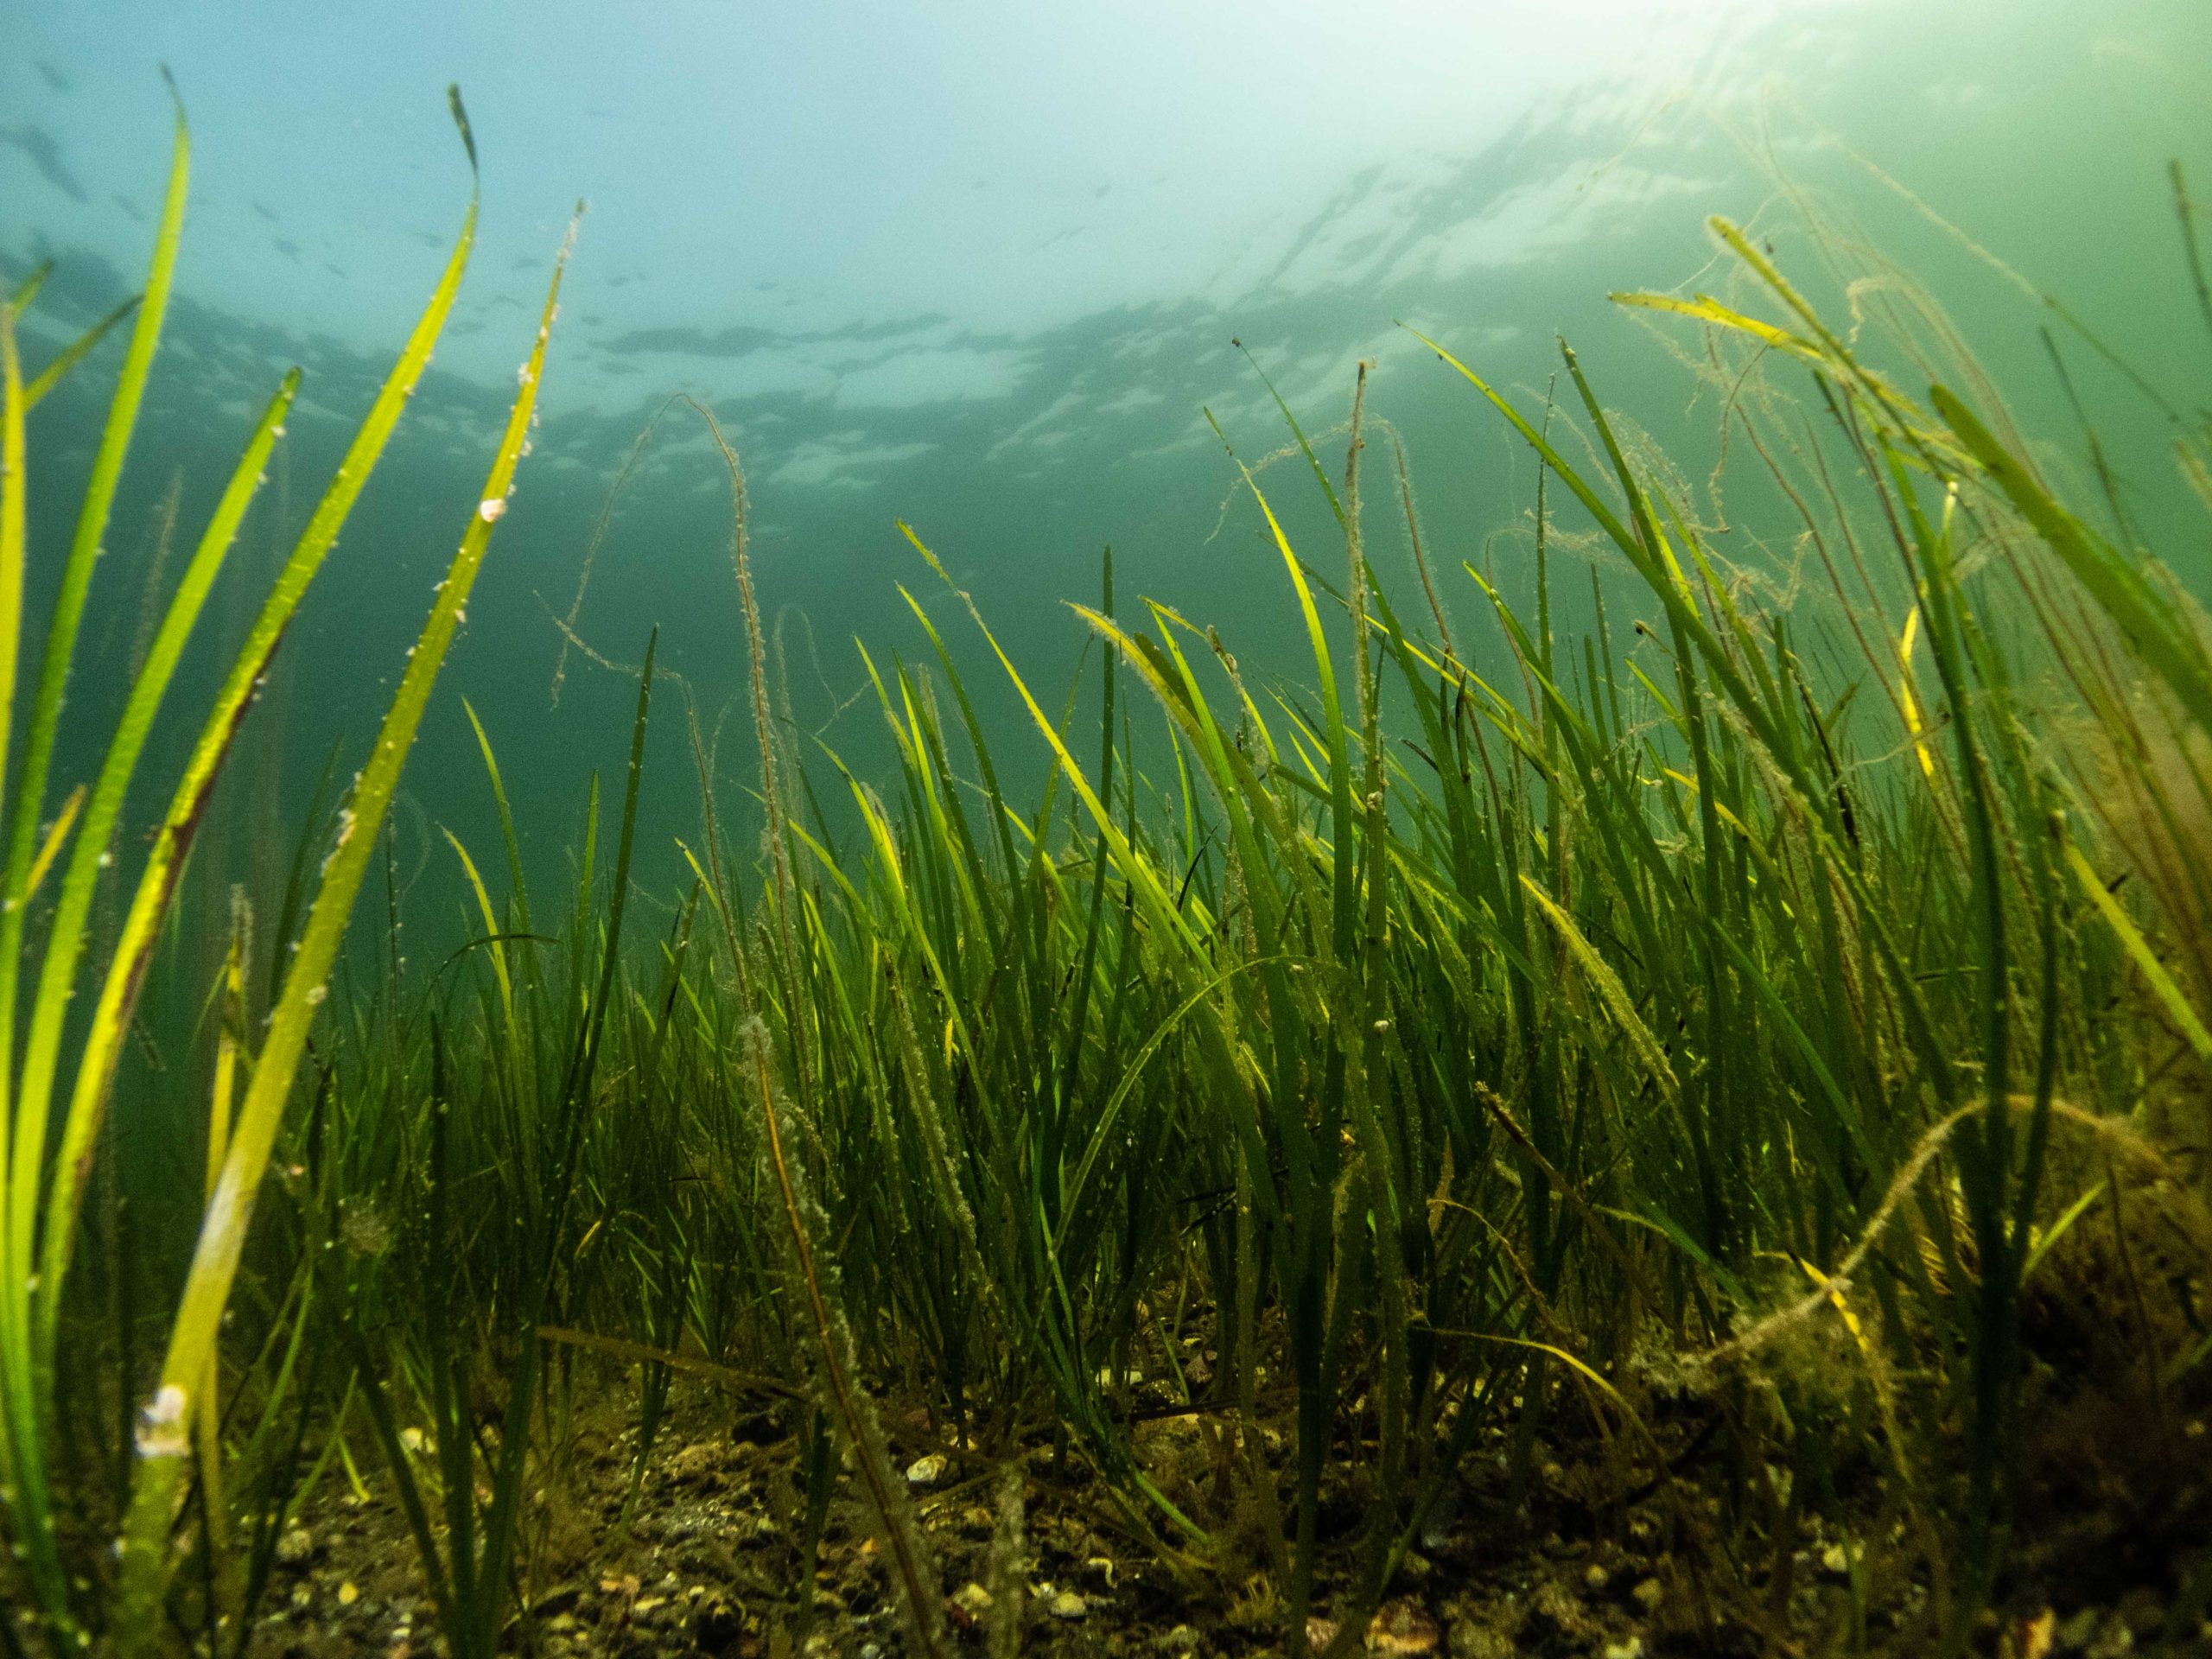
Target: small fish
x: 46, y: 155
x: 289, y: 250
x: 52, y: 77
x: 333, y: 269
x: 129, y: 207
x: 265, y: 213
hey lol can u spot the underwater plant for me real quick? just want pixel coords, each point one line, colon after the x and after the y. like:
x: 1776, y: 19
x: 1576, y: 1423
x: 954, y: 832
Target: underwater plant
x: 1705, y: 1039
x: 46, y: 1163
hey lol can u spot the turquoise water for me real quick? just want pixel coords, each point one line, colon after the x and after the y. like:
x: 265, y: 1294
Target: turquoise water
x: 980, y: 267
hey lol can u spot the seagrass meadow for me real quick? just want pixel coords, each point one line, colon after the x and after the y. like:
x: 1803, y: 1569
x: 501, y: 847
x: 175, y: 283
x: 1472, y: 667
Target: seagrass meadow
x: 1642, y: 1088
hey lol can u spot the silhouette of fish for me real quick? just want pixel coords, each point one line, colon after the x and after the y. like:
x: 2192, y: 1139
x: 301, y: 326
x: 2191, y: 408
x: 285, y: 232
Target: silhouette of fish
x: 52, y: 77
x: 265, y: 213
x: 46, y: 155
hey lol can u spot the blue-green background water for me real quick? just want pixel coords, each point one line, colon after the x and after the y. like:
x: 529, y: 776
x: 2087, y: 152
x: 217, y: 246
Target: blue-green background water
x: 978, y: 266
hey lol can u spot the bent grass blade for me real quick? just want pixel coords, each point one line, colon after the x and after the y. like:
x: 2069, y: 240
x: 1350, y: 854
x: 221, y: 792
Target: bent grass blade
x: 75, y: 353
x: 172, y: 841
x: 22, y: 1145
x: 2169, y: 995
x: 222, y: 1233
x: 70, y: 931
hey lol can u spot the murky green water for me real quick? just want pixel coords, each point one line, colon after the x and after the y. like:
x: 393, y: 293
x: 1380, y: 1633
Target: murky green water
x: 1009, y: 280
x: 981, y: 271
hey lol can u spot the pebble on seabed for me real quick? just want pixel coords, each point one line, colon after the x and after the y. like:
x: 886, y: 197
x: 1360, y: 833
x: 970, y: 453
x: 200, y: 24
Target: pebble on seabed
x: 927, y: 1471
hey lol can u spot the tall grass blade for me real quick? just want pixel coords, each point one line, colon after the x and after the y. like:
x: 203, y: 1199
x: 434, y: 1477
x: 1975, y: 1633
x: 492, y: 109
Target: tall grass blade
x: 222, y: 1235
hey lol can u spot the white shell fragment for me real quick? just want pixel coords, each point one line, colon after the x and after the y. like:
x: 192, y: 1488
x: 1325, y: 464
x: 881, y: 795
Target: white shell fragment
x: 162, y: 1427
x: 927, y: 1471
